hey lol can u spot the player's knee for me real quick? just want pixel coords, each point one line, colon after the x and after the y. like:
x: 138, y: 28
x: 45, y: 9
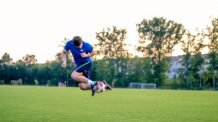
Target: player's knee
x: 74, y: 75
x: 82, y: 86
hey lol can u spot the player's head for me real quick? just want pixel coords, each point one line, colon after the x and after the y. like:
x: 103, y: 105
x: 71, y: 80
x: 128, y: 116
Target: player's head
x: 77, y: 40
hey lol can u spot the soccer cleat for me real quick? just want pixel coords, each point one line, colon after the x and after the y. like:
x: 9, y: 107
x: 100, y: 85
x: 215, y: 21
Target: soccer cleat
x: 93, y: 87
x: 107, y: 86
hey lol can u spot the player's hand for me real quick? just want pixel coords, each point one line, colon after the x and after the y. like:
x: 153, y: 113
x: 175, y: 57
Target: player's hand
x: 64, y: 65
x: 84, y: 55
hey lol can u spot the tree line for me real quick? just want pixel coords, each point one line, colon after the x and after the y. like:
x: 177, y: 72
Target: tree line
x: 116, y: 64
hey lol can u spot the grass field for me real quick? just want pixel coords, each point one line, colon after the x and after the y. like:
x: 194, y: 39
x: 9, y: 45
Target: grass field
x: 53, y: 104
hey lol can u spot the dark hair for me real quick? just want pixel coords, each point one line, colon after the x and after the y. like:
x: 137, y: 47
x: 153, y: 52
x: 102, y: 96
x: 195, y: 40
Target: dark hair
x: 77, y: 40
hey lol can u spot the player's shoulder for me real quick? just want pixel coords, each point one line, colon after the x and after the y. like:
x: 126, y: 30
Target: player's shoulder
x: 69, y: 43
x: 87, y: 44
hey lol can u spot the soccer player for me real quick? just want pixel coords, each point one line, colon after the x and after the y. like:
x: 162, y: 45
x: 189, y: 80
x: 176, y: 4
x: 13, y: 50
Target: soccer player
x: 82, y: 53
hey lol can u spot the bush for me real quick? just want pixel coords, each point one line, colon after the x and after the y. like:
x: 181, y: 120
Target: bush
x: 2, y: 81
x: 49, y: 83
x: 171, y: 84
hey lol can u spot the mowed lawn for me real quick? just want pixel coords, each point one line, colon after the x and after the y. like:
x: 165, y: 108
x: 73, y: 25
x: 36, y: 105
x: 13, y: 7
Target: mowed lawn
x: 53, y: 104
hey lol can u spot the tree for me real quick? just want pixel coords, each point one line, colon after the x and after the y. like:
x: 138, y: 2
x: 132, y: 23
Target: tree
x: 6, y: 68
x: 157, y: 39
x: 111, y: 46
x: 192, y: 61
x: 212, y: 34
x: 198, y: 60
x: 111, y: 43
x: 6, y: 58
x: 29, y: 59
x: 139, y: 70
x: 187, y: 45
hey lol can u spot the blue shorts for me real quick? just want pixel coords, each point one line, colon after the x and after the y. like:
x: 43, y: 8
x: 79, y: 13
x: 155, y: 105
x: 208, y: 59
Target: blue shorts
x: 84, y: 68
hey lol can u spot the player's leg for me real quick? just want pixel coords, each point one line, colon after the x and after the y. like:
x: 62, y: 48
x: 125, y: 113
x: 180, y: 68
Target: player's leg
x: 84, y: 86
x: 86, y: 73
x: 84, y: 82
x: 80, y: 75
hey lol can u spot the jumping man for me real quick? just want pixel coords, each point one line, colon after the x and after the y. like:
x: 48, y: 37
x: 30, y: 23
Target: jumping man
x: 82, y: 53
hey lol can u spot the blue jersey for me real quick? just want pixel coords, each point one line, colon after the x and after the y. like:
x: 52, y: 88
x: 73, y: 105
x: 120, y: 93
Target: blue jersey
x: 76, y: 52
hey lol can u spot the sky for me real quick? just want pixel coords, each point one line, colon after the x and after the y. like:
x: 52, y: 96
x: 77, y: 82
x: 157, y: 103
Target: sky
x: 39, y: 26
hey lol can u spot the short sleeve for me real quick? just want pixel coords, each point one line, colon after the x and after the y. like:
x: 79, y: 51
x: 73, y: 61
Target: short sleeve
x: 90, y: 48
x: 67, y: 46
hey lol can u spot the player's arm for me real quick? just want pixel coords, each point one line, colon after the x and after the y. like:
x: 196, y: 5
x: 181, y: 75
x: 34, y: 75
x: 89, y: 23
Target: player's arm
x: 85, y: 55
x: 64, y: 55
x: 91, y: 54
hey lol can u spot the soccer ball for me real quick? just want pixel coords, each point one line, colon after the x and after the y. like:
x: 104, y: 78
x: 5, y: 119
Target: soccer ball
x: 100, y: 87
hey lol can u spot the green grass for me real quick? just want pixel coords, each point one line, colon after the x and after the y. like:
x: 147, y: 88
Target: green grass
x: 53, y: 104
